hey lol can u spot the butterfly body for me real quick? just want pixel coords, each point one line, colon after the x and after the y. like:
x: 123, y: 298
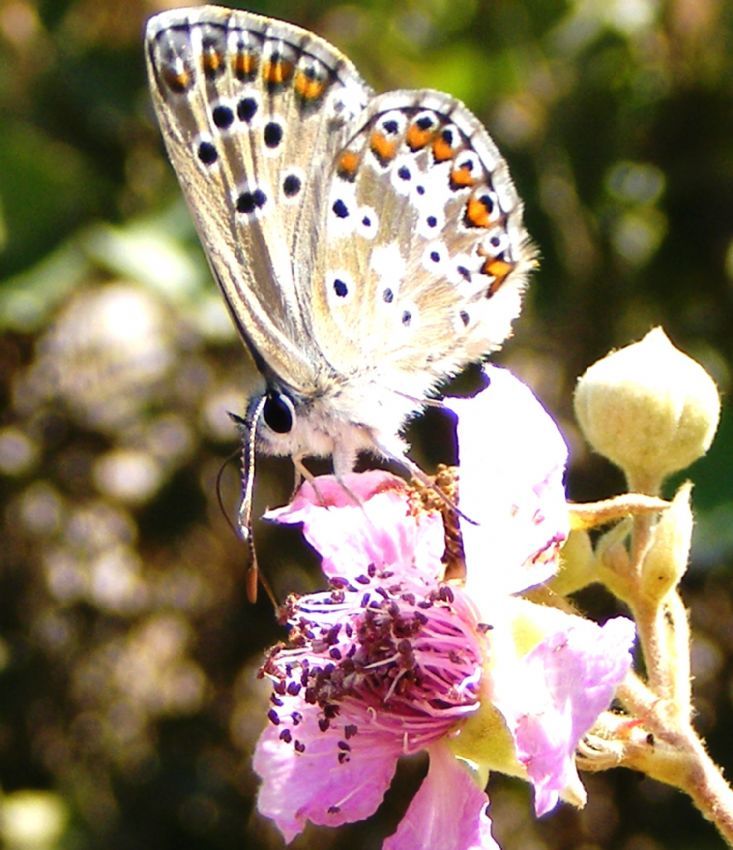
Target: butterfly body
x: 367, y: 246
x: 340, y: 423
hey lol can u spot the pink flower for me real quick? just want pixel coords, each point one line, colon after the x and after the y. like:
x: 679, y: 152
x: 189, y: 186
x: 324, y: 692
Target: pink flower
x: 512, y: 461
x: 391, y: 659
x: 567, y: 680
x: 384, y: 663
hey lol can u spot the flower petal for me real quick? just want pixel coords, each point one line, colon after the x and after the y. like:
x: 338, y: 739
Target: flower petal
x: 553, y: 697
x: 512, y: 460
x: 448, y: 812
x: 316, y: 785
x: 364, y: 519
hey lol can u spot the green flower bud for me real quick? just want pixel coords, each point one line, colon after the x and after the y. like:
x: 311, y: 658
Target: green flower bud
x: 649, y: 408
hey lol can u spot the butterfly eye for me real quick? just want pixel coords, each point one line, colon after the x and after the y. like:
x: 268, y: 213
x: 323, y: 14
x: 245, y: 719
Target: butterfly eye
x: 278, y: 412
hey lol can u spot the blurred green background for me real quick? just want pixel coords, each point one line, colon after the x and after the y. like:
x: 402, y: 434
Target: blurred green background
x: 129, y: 704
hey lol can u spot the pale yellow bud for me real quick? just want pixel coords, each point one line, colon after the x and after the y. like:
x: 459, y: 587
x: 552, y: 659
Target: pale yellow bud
x: 649, y: 408
x: 577, y: 564
x: 666, y: 561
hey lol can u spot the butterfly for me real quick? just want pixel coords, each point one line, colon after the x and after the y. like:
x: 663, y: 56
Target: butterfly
x: 368, y: 246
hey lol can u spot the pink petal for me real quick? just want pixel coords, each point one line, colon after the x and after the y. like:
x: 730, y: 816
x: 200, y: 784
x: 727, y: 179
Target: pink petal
x: 449, y: 812
x: 364, y: 519
x: 512, y: 460
x: 569, y: 679
x: 314, y: 785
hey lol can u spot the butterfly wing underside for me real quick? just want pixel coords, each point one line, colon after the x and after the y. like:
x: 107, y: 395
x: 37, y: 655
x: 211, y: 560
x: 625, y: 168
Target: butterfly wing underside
x: 253, y: 112
x: 425, y: 256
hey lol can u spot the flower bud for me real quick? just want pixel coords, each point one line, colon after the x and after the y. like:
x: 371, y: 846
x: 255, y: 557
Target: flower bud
x: 666, y: 561
x: 577, y: 564
x: 649, y: 408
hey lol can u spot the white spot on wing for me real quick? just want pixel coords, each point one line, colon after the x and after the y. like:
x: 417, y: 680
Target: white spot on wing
x: 430, y: 223
x: 389, y: 266
x: 367, y: 224
x: 343, y: 209
x: 495, y: 242
x: 340, y: 288
x: 436, y: 259
x: 404, y: 174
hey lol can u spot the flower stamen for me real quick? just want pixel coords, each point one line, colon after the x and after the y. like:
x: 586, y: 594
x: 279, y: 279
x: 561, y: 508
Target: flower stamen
x: 411, y: 644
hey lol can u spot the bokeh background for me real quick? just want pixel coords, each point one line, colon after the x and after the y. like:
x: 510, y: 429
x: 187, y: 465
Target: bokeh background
x: 129, y: 702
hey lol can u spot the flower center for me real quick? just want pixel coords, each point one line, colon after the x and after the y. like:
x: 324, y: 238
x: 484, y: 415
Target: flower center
x: 398, y: 655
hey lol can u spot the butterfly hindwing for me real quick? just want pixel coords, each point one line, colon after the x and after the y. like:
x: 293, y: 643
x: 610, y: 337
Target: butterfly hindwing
x: 425, y: 253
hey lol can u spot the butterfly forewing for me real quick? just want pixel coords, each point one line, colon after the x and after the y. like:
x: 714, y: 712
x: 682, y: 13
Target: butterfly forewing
x: 252, y: 113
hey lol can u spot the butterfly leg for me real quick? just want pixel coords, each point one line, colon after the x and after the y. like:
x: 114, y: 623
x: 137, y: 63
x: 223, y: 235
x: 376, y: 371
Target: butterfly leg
x: 300, y: 473
x: 425, y: 479
x: 303, y: 473
x: 349, y: 492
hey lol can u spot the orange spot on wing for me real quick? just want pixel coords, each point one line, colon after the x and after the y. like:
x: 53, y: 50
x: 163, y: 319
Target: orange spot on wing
x: 382, y: 147
x: 443, y: 150
x: 417, y: 138
x: 461, y: 177
x: 277, y: 71
x: 307, y: 87
x: 478, y: 214
x: 244, y: 65
x: 211, y: 61
x: 498, y: 269
x: 177, y: 81
x: 347, y: 165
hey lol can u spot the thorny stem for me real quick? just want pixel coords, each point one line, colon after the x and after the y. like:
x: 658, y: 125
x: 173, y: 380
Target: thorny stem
x: 680, y: 649
x: 655, y: 735
x: 663, y: 746
x: 707, y: 787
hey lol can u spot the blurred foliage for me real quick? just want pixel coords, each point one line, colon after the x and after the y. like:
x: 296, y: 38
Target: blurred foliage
x: 128, y: 653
